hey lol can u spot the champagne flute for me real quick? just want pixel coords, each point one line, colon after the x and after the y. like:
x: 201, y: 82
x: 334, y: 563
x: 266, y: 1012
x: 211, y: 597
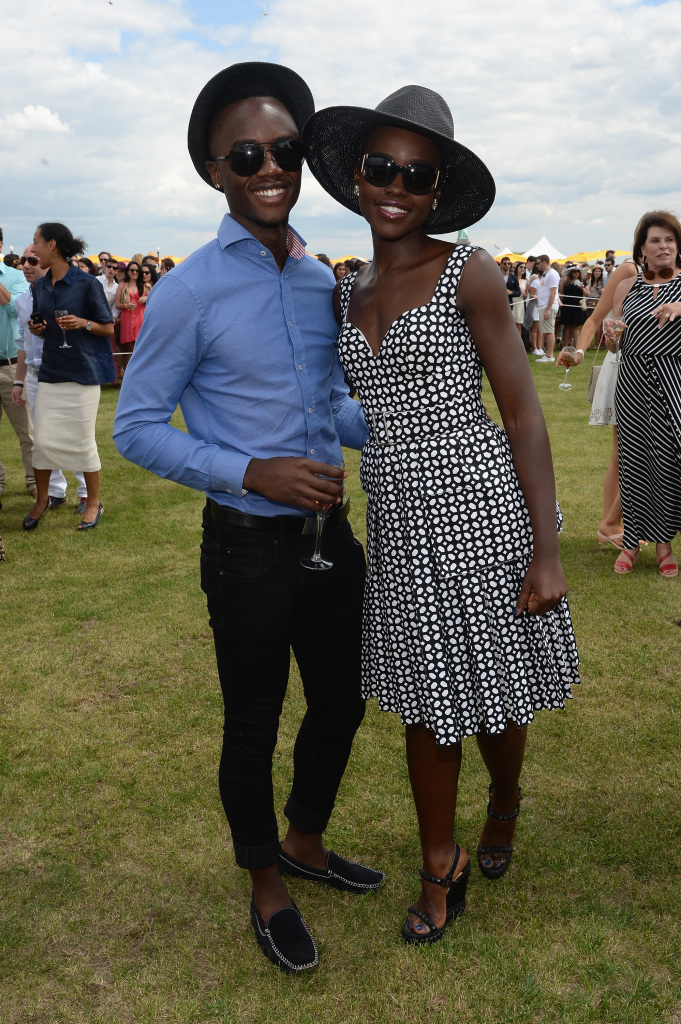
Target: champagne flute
x: 614, y: 328
x: 567, y: 352
x: 58, y: 313
x: 315, y: 561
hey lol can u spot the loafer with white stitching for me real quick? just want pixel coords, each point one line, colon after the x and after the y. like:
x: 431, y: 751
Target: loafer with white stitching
x: 340, y: 873
x: 285, y: 940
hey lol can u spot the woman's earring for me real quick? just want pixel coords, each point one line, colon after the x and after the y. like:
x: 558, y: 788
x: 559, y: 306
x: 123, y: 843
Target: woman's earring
x: 434, y: 206
x: 217, y: 185
x: 356, y: 191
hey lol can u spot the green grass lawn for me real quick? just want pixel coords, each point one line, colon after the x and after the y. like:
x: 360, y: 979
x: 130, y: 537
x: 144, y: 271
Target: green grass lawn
x: 120, y: 898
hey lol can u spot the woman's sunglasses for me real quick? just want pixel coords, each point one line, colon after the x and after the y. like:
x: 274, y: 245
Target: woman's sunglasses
x: 380, y: 170
x: 31, y: 260
x: 248, y: 159
x: 665, y: 274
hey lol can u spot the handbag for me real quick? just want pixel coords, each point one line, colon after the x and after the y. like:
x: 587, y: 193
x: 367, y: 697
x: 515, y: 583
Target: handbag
x: 593, y: 376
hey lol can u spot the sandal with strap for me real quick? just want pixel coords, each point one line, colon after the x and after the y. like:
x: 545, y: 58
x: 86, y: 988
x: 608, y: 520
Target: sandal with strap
x: 668, y: 568
x: 489, y: 851
x: 625, y: 561
x: 456, y: 903
x: 612, y: 538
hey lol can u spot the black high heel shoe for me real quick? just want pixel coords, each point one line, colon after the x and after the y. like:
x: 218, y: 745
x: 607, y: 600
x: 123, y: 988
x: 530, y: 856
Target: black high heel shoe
x: 30, y: 523
x: 456, y: 903
x: 488, y: 851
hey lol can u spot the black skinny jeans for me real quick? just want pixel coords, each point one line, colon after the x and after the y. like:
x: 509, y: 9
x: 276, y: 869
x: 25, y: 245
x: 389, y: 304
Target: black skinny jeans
x: 262, y: 603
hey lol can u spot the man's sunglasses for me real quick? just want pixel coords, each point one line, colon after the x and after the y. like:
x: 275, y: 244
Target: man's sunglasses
x: 32, y: 260
x: 380, y: 170
x: 248, y: 159
x: 112, y: 266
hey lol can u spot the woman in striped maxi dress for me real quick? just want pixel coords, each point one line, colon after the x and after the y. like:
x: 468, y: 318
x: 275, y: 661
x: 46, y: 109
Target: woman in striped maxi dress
x: 648, y: 396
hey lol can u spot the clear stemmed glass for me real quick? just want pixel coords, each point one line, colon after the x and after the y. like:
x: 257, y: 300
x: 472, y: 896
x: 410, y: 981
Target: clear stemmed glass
x: 567, y: 353
x: 614, y: 328
x: 315, y: 561
x: 58, y: 313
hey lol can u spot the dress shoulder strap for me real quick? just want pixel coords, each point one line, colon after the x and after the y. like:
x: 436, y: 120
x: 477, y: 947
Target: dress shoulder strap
x: 345, y: 292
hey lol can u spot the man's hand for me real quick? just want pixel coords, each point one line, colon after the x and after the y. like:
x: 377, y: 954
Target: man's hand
x: 547, y: 313
x: 37, y: 329
x: 18, y: 395
x: 296, y: 481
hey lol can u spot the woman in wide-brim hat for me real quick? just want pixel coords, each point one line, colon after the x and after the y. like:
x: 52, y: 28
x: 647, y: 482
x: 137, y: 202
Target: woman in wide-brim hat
x: 467, y: 631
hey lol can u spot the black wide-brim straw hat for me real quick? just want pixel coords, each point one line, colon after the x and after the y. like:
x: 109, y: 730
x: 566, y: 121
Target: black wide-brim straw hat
x: 334, y: 143
x: 241, y: 82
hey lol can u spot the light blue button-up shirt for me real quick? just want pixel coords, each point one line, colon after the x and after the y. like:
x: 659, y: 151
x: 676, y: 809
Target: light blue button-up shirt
x: 249, y: 354
x: 15, y: 283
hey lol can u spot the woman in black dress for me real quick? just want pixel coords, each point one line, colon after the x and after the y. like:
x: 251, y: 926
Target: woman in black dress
x: 466, y: 628
x: 571, y: 312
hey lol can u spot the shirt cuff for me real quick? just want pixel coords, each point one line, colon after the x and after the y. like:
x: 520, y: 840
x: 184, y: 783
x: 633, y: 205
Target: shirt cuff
x: 227, y: 473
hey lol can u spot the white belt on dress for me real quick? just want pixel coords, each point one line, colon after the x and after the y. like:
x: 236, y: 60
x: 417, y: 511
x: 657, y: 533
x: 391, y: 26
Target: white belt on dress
x: 390, y: 427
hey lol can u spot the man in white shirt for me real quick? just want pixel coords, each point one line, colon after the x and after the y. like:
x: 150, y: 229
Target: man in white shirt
x: 547, y: 304
x: 29, y: 358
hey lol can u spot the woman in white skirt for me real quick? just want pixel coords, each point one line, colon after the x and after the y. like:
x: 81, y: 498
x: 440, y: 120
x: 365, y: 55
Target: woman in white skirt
x: 72, y: 315
x: 610, y: 529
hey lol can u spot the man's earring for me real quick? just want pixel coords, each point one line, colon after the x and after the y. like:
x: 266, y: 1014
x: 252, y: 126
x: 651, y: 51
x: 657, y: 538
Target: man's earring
x: 434, y: 206
x: 356, y: 191
x: 217, y: 185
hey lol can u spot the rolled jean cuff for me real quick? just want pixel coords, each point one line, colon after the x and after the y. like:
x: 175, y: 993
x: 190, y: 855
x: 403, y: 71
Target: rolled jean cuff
x: 254, y: 858
x: 305, y: 819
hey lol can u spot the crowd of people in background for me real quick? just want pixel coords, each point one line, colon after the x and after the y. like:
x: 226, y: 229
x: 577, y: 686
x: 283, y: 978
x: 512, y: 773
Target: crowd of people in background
x: 550, y: 301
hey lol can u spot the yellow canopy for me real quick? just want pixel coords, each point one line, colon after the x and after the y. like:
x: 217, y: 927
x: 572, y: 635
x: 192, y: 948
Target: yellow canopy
x: 512, y: 256
x: 591, y: 257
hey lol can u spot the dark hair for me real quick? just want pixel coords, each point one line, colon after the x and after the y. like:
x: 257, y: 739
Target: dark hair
x: 2, y: 237
x: 106, y: 253
x: 517, y: 272
x: 67, y: 245
x: 152, y: 272
x: 134, y: 263
x: 168, y: 263
x: 596, y: 282
x: 544, y: 258
x: 323, y: 258
x: 656, y: 219
x: 89, y: 264
x: 11, y: 259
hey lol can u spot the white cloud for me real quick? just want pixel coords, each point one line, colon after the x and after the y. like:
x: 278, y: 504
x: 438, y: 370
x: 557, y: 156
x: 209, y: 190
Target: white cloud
x: 33, y: 119
x: 575, y: 110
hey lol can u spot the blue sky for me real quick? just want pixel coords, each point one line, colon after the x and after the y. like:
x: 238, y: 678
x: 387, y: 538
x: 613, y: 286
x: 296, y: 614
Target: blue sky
x: 575, y: 108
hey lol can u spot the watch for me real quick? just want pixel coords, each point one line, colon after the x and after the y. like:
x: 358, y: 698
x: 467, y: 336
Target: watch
x: 88, y: 326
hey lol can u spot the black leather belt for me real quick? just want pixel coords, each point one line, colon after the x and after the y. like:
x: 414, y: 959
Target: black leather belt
x: 8, y: 362
x: 276, y: 524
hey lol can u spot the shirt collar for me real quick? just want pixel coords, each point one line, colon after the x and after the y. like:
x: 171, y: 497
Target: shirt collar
x: 68, y: 278
x: 231, y: 231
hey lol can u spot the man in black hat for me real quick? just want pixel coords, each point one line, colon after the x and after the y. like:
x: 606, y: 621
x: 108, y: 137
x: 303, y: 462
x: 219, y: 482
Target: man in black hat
x: 242, y: 335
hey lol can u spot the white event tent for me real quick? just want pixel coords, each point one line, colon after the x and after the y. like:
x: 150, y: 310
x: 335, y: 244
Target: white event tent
x: 544, y: 248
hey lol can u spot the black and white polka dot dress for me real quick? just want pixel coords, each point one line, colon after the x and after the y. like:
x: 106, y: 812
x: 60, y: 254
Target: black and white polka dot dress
x: 448, y: 534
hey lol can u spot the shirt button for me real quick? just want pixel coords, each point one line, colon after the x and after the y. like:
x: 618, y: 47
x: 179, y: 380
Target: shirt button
x: 311, y: 451
x: 228, y: 491
x: 263, y: 252
x: 309, y: 410
x: 300, y: 366
x: 290, y: 323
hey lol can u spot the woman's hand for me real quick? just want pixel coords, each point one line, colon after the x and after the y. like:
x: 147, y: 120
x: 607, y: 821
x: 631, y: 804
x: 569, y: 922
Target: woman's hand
x: 543, y: 587
x: 142, y: 300
x: 667, y: 312
x: 570, y: 360
x: 130, y: 305
x: 612, y: 339
x: 71, y: 322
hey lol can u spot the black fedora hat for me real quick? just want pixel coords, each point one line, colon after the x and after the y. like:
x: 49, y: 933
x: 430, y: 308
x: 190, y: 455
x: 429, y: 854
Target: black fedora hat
x: 334, y: 140
x: 240, y: 82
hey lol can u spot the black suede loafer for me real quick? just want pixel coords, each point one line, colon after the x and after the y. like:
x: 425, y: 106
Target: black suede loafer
x: 285, y: 940
x: 53, y: 503
x: 340, y: 873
